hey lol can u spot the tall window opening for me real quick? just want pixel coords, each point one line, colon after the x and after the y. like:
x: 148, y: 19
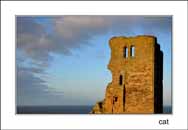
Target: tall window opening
x: 120, y: 80
x: 132, y: 51
x: 125, y: 52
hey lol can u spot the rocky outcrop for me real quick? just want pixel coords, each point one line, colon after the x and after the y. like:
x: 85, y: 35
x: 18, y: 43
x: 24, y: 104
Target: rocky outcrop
x: 98, y: 108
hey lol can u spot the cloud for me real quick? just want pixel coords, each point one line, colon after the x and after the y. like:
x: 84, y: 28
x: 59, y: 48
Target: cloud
x: 32, y: 89
x: 70, y: 32
x: 28, y: 85
x: 32, y: 40
x: 73, y: 29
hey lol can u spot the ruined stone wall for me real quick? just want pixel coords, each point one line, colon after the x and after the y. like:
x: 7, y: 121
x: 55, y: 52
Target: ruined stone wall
x: 135, y: 87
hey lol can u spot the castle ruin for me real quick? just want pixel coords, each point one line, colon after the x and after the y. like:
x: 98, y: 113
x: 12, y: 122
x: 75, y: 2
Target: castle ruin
x: 136, y: 65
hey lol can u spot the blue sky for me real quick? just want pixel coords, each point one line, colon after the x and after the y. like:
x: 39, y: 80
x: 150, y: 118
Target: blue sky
x: 62, y: 60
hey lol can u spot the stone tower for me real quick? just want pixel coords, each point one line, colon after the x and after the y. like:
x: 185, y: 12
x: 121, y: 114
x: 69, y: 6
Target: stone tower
x: 136, y: 65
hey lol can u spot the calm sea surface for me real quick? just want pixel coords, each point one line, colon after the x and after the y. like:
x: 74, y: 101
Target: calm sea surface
x: 64, y: 109
x: 54, y: 109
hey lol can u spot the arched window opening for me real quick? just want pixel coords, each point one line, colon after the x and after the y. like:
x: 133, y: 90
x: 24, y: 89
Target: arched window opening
x: 125, y: 52
x: 132, y: 51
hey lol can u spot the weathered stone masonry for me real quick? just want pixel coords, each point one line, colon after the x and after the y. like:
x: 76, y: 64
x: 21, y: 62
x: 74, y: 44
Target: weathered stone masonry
x: 136, y: 65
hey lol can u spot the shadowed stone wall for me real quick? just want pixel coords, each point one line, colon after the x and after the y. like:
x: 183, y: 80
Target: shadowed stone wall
x: 136, y: 65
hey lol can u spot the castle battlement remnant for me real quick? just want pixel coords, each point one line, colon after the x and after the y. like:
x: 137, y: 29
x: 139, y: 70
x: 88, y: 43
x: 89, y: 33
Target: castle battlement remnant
x: 136, y: 65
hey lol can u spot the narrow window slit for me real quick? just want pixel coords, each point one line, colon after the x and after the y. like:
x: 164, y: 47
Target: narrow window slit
x: 120, y: 80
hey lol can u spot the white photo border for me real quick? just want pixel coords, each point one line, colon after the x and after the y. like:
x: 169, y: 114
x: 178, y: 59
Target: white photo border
x: 178, y: 120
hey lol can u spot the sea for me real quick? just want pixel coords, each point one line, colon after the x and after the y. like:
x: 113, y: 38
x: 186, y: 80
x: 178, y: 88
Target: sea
x: 65, y: 109
x: 54, y: 109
